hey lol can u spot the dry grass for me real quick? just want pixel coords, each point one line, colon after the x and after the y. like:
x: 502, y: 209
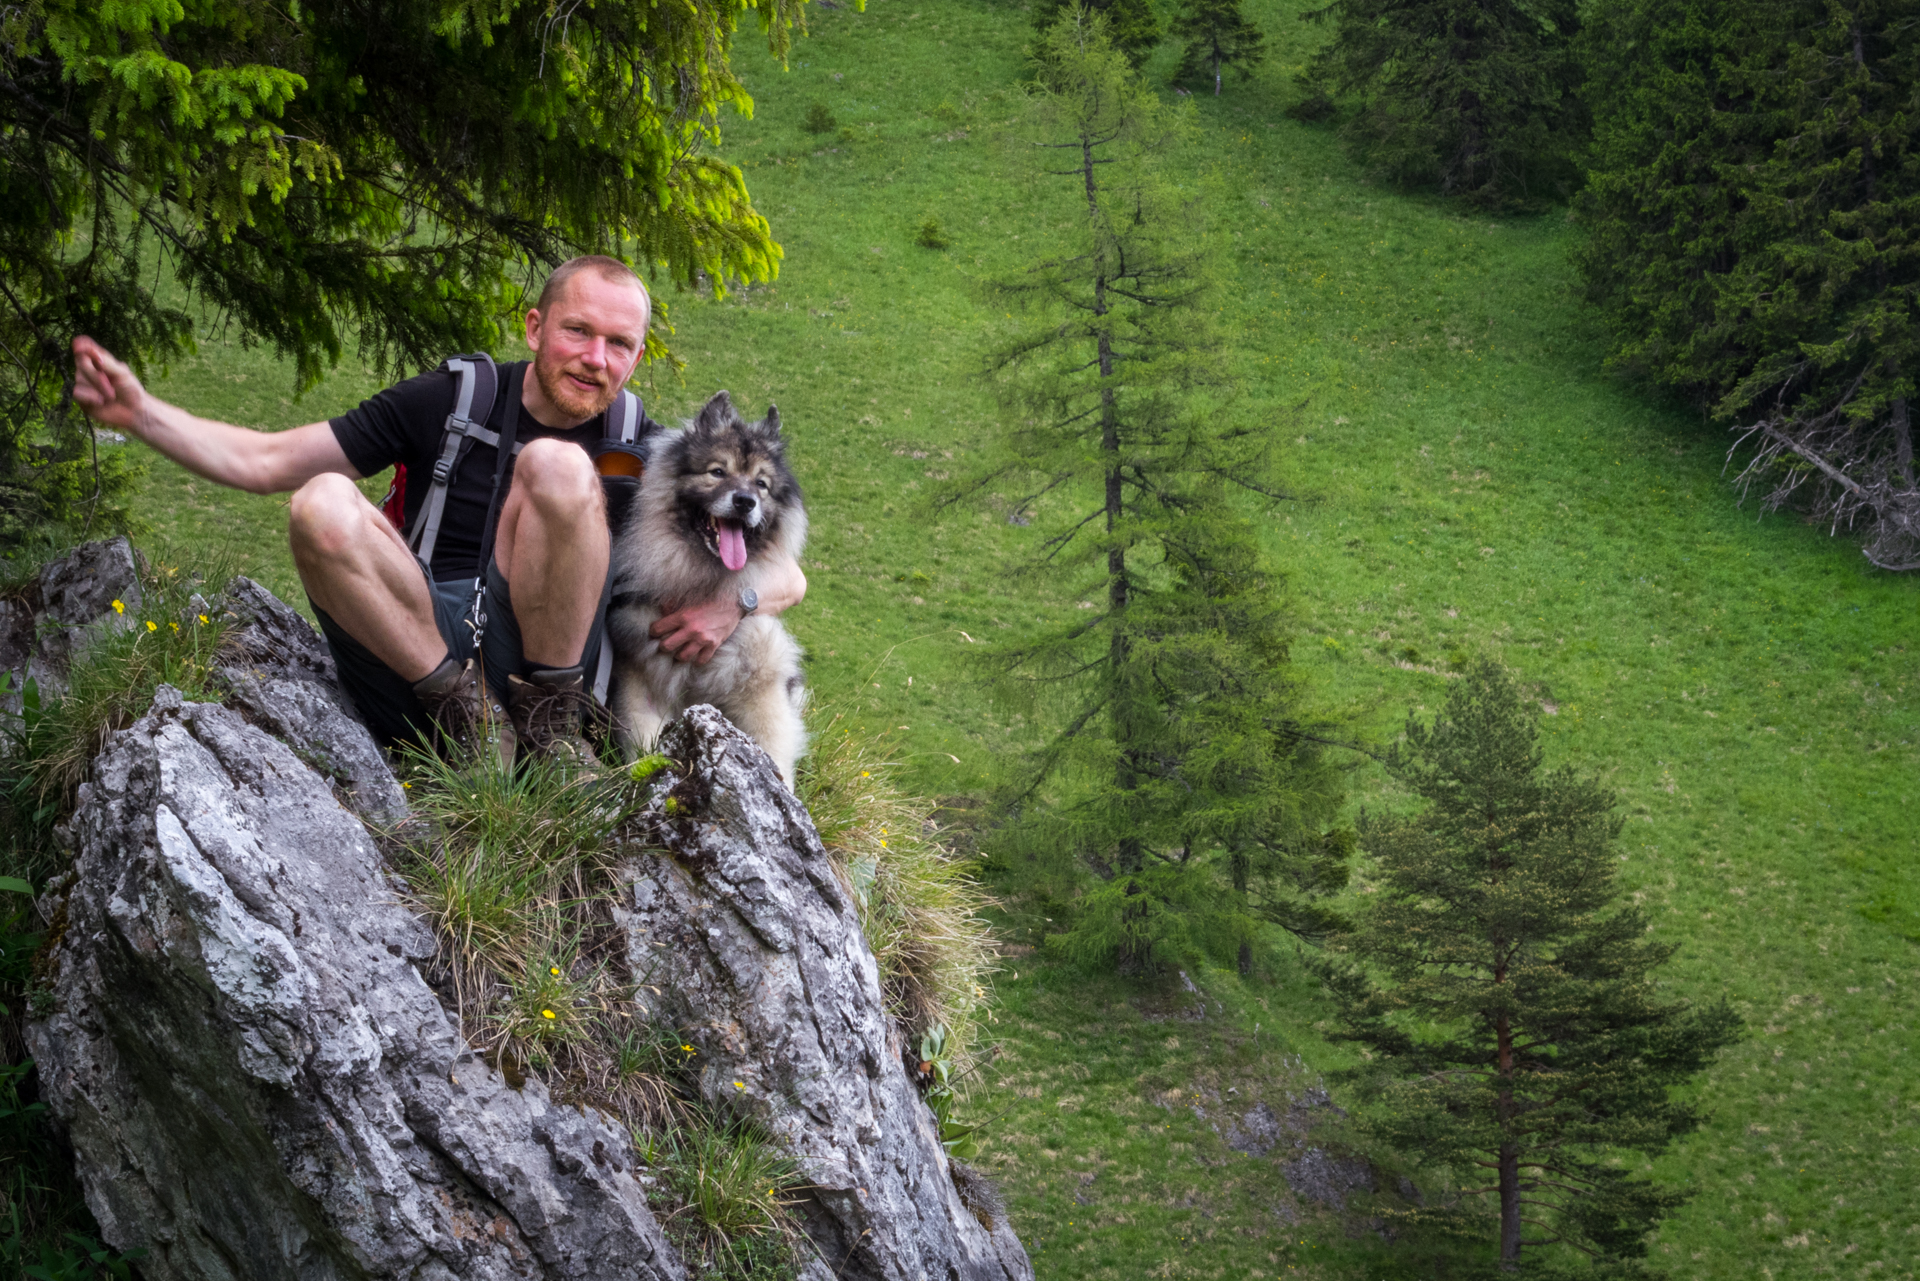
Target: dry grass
x: 920, y: 907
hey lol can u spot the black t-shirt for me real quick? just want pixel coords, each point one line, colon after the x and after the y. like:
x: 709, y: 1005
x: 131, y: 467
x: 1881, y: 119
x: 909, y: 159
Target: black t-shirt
x: 405, y: 424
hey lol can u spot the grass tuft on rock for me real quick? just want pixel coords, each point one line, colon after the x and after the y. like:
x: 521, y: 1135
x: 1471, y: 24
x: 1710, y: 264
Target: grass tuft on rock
x: 173, y: 636
x: 730, y: 1194
x: 512, y: 869
x: 920, y: 908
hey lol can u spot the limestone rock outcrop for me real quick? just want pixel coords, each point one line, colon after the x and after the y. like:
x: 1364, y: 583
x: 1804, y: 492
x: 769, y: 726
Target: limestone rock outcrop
x: 255, y: 1078
x: 60, y: 612
x: 756, y: 946
x: 257, y: 1081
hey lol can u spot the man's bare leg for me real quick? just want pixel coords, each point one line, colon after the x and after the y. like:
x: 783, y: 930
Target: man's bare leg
x: 552, y: 550
x: 359, y: 570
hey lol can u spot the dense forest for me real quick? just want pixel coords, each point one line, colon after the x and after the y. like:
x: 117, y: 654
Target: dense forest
x: 1377, y: 529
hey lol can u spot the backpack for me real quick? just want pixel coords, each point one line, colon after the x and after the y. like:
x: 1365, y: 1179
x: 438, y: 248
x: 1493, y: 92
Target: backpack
x: 620, y: 456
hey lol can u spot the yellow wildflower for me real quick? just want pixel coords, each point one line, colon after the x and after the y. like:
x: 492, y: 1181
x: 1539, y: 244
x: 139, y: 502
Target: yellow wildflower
x: 152, y: 626
x: 739, y: 1085
x: 548, y: 1014
x: 119, y: 607
x: 554, y: 970
x: 203, y: 620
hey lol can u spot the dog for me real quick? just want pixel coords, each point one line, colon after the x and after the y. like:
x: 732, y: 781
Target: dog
x: 716, y: 498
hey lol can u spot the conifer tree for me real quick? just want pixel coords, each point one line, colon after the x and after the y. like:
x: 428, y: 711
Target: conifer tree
x: 383, y: 173
x: 1218, y: 36
x: 1131, y: 28
x: 1178, y: 770
x: 1752, y: 205
x: 1518, y: 1039
x: 1476, y: 97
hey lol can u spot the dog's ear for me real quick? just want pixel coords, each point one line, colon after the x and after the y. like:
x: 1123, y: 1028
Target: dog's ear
x: 772, y: 424
x: 715, y: 414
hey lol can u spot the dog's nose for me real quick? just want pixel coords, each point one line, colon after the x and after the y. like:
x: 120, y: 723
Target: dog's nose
x: 745, y: 503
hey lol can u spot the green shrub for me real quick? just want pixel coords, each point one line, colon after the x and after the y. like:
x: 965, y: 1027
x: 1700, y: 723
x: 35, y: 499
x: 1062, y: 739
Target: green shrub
x: 819, y: 119
x: 931, y: 236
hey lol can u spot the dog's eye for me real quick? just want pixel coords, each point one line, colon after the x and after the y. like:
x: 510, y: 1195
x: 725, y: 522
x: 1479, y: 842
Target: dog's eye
x: 716, y: 471
x: 762, y: 482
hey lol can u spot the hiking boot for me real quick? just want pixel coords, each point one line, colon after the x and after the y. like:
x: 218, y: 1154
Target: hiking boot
x: 548, y: 708
x: 466, y: 713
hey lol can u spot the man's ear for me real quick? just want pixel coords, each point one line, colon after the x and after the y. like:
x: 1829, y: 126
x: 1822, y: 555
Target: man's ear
x: 534, y: 320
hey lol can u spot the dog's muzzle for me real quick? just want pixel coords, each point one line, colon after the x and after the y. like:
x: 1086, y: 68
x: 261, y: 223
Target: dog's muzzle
x: 742, y: 505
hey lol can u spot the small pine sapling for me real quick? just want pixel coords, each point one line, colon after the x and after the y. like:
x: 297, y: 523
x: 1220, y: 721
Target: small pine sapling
x: 1218, y: 36
x: 819, y: 119
x: 1519, y: 1045
x: 1131, y: 26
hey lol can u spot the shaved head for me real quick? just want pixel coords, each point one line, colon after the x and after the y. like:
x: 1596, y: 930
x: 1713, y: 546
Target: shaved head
x: 608, y: 269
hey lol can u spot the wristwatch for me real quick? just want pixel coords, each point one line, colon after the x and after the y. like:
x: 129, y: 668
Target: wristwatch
x: 749, y: 601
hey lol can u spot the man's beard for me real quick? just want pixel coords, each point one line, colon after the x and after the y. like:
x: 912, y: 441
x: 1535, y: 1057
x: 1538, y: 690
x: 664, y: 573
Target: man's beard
x: 565, y: 395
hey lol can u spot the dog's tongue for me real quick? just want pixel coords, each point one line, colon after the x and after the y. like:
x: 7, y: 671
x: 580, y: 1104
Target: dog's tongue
x: 733, y: 544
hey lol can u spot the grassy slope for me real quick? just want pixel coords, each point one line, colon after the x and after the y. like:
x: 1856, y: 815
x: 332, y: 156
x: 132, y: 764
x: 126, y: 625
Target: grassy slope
x: 1476, y: 483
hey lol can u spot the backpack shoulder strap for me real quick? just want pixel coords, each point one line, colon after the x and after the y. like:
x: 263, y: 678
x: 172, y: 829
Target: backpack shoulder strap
x: 624, y: 417
x: 477, y: 386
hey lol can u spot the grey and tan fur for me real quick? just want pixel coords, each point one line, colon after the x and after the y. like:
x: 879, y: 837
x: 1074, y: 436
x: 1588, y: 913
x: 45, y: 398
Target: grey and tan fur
x: 717, y: 474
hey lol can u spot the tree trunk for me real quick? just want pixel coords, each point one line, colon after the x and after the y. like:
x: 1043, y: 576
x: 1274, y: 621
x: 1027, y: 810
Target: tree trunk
x: 1509, y: 1208
x: 1509, y: 1152
x: 1136, y: 949
x: 1130, y: 856
x: 1216, y: 73
x: 1903, y: 441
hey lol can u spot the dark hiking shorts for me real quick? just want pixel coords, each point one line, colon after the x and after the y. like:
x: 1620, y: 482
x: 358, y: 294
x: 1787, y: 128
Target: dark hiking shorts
x: 385, y: 698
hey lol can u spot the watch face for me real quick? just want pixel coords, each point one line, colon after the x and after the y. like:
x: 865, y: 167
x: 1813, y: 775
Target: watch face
x: 749, y: 599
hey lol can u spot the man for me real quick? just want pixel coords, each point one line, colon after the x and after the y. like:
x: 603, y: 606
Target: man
x: 402, y: 633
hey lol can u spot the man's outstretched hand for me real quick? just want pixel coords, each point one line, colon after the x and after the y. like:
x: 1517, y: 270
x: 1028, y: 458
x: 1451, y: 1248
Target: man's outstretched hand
x: 692, y: 634
x: 104, y: 387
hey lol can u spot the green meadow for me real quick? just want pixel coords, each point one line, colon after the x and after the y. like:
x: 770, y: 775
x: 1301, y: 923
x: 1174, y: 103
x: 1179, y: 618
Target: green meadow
x: 1468, y: 478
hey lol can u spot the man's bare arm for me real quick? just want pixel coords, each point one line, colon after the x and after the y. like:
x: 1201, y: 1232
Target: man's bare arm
x: 257, y: 461
x: 692, y: 634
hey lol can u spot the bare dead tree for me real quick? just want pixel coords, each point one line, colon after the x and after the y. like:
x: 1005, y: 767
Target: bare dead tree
x: 1845, y: 470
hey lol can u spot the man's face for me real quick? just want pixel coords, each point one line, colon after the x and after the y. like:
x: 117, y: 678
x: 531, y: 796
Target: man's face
x: 586, y: 344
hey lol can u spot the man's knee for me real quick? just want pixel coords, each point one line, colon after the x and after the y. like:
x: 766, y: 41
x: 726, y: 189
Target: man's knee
x: 557, y: 477
x: 326, y: 516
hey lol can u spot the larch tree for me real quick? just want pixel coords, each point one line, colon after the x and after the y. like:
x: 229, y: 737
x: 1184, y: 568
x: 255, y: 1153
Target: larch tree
x: 1179, y: 769
x: 1218, y: 35
x: 374, y: 173
x: 1519, y: 1045
x: 1475, y: 97
x: 1752, y: 212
